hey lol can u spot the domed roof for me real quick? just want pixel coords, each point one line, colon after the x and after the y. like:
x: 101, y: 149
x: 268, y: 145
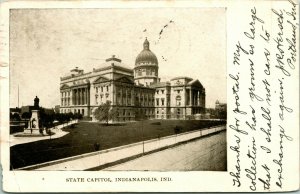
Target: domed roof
x: 146, y: 55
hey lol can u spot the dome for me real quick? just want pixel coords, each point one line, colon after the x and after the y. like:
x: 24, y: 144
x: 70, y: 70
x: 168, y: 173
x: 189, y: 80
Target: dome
x: 146, y: 55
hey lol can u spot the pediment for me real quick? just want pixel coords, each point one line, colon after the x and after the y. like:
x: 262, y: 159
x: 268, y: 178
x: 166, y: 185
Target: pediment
x: 125, y: 80
x: 101, y: 79
x: 196, y: 83
x: 65, y: 86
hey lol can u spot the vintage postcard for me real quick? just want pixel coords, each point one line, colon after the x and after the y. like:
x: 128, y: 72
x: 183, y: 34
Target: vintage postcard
x: 149, y: 96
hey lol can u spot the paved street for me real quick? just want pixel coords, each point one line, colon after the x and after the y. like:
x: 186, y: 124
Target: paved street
x: 208, y: 153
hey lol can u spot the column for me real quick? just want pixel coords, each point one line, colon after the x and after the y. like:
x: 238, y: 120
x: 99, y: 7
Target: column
x: 61, y: 97
x: 83, y: 95
x: 71, y: 97
x: 126, y: 96
x: 121, y: 96
x: 79, y: 96
x: 114, y: 93
x: 85, y: 98
x: 191, y: 97
x: 88, y: 96
x: 132, y: 96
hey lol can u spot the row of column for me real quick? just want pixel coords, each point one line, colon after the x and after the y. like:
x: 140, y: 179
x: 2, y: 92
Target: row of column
x: 129, y: 95
x: 196, y: 98
x: 81, y: 96
x: 123, y: 99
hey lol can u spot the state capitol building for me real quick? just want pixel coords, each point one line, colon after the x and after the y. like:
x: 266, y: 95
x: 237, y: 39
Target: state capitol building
x: 131, y: 91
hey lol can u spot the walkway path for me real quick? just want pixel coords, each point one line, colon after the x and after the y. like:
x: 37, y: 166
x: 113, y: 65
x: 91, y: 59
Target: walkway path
x: 207, y: 153
x: 57, y: 130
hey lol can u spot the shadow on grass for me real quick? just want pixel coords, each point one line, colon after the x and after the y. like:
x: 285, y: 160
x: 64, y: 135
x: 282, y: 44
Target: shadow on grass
x: 156, y: 123
x: 111, y: 124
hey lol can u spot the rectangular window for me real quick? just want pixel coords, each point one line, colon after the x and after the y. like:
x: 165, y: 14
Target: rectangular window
x: 101, y: 89
x: 107, y: 88
x: 157, y: 91
x: 162, y: 101
x: 96, y: 89
x: 162, y: 91
x: 178, y: 91
x: 157, y: 101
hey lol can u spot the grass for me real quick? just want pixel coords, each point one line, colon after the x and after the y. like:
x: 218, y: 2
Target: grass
x: 84, y: 136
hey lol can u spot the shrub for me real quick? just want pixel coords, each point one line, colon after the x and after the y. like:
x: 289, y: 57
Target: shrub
x: 177, y: 129
x: 97, y: 146
x: 156, y: 123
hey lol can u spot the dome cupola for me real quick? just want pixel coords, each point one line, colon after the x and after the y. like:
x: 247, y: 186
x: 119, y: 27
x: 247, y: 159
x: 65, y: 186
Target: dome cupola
x: 146, y: 66
x: 146, y: 56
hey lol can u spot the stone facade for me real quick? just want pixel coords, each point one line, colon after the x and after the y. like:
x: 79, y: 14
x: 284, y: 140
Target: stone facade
x: 132, y: 91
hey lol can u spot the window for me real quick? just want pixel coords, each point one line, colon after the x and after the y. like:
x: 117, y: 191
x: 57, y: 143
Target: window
x: 157, y: 101
x: 162, y: 91
x: 101, y: 89
x: 157, y: 91
x: 107, y: 88
x: 178, y: 91
x: 162, y: 101
x: 178, y: 100
x: 157, y: 112
x: 96, y: 89
x: 139, y: 73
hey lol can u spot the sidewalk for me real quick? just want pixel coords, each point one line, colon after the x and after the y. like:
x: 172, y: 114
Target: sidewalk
x: 57, y: 130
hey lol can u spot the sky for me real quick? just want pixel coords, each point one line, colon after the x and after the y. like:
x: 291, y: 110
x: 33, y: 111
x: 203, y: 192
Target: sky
x: 45, y: 44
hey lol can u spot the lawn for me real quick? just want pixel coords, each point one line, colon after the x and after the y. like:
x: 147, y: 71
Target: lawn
x: 84, y: 135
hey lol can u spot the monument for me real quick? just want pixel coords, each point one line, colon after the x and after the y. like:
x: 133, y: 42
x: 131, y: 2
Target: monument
x: 33, y: 123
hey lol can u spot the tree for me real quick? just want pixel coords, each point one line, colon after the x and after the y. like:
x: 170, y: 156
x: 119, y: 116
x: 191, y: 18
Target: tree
x: 139, y: 112
x: 16, y: 117
x: 105, y: 112
x: 46, y: 118
x: 26, y: 115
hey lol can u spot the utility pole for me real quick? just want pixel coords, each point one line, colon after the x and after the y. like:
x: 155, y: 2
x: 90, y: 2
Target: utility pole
x: 18, y: 95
